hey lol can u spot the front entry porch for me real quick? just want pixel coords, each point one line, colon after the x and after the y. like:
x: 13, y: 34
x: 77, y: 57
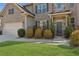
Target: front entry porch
x: 60, y: 22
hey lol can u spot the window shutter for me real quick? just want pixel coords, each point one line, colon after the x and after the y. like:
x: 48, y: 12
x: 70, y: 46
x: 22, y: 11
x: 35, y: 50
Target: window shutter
x: 36, y: 9
x: 47, y: 24
x: 72, y: 20
x: 47, y: 7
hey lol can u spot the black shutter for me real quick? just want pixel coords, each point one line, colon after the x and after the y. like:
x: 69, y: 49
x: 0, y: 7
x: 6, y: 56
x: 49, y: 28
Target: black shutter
x: 36, y: 9
x: 47, y: 7
x: 47, y: 24
x: 72, y: 20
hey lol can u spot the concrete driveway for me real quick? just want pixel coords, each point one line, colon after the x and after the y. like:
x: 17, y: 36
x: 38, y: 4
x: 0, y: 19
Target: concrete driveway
x: 7, y: 38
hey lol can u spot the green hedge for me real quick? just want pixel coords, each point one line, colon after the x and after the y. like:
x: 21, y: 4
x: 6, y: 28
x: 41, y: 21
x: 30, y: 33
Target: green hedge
x: 21, y: 32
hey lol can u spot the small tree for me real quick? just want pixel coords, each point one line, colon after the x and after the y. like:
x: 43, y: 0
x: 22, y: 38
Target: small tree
x: 29, y: 32
x: 48, y: 34
x: 38, y: 33
x: 68, y: 29
x: 67, y: 32
x: 52, y: 27
x: 74, y: 38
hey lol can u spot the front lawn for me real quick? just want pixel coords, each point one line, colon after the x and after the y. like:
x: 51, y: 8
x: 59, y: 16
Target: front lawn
x: 34, y: 49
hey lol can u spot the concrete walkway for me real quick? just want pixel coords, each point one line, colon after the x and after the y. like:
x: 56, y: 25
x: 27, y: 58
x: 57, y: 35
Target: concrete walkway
x: 57, y: 40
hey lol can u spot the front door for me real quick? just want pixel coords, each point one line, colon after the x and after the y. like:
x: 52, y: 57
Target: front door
x: 59, y: 28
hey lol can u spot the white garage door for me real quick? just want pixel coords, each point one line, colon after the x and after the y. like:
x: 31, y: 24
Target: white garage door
x: 11, y: 28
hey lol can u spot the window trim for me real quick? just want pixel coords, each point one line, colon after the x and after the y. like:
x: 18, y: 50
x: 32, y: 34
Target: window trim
x: 58, y: 9
x: 11, y: 11
x: 41, y: 9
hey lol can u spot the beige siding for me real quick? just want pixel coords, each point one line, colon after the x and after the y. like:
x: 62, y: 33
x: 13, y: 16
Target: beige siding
x: 44, y: 16
x: 30, y: 21
x: 76, y: 13
x: 12, y: 17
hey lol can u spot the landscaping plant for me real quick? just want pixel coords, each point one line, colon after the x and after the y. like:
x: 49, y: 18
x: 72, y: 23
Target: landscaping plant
x: 48, y: 34
x: 38, y: 33
x: 74, y: 38
x: 67, y: 32
x: 21, y: 32
x: 29, y: 32
x: 52, y: 29
x: 0, y: 32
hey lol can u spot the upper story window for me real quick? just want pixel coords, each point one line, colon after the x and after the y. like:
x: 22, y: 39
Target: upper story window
x: 41, y: 8
x: 11, y: 11
x: 59, y: 7
x: 71, y: 4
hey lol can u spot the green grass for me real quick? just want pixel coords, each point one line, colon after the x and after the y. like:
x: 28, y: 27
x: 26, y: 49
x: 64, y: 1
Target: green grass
x: 12, y: 48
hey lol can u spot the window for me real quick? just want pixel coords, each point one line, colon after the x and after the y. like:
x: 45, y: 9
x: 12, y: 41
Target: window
x: 41, y: 8
x: 71, y: 4
x: 59, y: 7
x: 11, y: 11
x: 73, y: 22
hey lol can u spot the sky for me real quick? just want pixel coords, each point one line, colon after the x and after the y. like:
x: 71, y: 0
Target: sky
x: 2, y: 6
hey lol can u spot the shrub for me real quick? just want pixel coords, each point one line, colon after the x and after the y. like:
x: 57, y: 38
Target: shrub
x: 77, y: 28
x: 53, y: 30
x: 21, y: 32
x: 0, y: 32
x: 38, y: 33
x: 67, y: 32
x: 48, y: 34
x: 29, y: 32
x: 74, y: 38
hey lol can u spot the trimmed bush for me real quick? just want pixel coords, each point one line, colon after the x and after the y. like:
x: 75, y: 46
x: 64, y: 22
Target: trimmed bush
x: 77, y: 28
x: 67, y: 32
x: 21, y: 32
x: 74, y: 38
x: 29, y: 32
x: 0, y: 32
x: 48, y: 34
x: 38, y: 33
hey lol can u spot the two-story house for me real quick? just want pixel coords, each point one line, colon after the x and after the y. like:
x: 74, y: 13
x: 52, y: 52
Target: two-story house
x: 14, y: 16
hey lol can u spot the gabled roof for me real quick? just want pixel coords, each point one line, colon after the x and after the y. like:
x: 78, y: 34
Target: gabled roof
x: 26, y: 10
x: 22, y: 8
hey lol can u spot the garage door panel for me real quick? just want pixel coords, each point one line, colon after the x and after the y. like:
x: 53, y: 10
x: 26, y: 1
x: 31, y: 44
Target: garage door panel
x: 11, y: 28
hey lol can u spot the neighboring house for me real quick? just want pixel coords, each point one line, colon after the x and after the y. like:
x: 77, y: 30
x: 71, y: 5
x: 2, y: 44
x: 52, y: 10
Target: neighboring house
x: 15, y: 16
